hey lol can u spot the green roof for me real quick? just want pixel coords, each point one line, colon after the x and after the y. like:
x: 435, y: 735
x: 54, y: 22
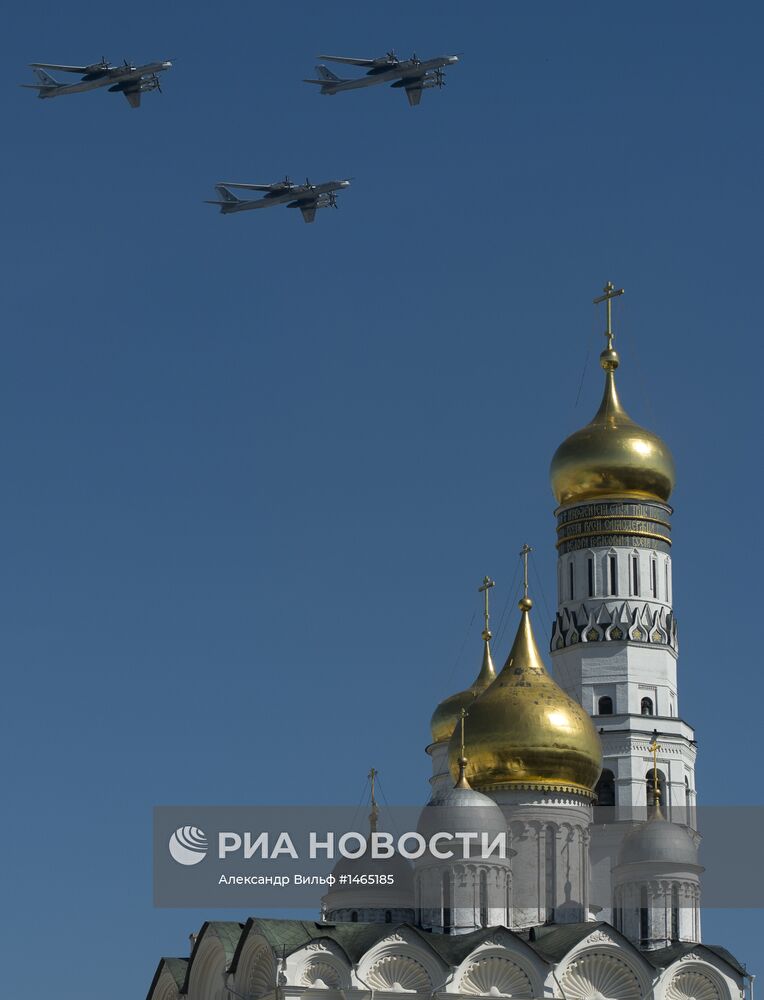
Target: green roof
x: 355, y: 939
x: 551, y: 943
x: 662, y: 957
x: 228, y: 931
x: 177, y: 968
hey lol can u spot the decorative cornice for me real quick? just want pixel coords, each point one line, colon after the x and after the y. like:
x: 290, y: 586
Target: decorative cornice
x: 632, y: 621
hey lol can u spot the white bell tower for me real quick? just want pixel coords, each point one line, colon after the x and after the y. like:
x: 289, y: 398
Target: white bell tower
x: 614, y: 639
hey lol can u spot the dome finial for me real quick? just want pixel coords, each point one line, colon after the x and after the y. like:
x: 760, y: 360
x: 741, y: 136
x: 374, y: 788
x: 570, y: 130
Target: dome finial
x: 487, y: 584
x: 446, y: 716
x: 374, y: 811
x: 526, y: 603
x: 461, y: 781
x: 609, y: 357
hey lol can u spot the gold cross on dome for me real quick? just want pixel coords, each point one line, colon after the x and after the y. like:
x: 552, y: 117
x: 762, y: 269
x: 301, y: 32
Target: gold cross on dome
x: 653, y: 748
x: 525, y: 551
x: 374, y: 813
x: 611, y: 292
x: 462, y: 716
x: 487, y: 584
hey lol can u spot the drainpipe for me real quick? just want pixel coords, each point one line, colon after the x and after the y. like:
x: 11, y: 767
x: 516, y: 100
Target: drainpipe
x: 445, y: 982
x: 369, y: 988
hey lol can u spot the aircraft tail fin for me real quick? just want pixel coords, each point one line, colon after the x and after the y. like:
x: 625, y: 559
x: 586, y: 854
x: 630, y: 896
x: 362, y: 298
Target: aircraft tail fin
x: 227, y: 196
x: 327, y: 80
x: 327, y: 76
x: 45, y: 85
x: 46, y: 80
x: 227, y: 199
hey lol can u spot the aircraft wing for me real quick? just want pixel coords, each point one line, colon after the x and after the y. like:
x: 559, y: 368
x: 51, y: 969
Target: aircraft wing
x: 64, y: 69
x: 353, y: 62
x: 251, y: 187
x: 414, y: 93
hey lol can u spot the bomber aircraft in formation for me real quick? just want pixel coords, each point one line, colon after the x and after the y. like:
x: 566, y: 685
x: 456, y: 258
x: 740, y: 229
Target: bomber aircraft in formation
x: 307, y: 197
x: 412, y: 75
x: 132, y: 81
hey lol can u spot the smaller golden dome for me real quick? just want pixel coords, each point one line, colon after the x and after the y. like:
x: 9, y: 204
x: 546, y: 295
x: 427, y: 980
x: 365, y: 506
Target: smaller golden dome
x: 612, y: 456
x: 446, y: 715
x: 525, y: 732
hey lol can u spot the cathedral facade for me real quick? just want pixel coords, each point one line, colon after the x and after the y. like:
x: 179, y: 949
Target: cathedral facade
x: 591, y: 775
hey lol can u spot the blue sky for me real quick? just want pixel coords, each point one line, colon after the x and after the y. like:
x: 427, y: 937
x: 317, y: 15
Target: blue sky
x: 253, y: 471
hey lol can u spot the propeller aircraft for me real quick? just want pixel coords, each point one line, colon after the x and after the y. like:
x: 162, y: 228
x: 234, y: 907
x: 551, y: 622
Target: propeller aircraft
x: 127, y: 79
x: 412, y: 75
x: 307, y: 197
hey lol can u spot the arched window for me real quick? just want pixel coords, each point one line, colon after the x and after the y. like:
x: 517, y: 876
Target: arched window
x: 590, y: 572
x: 674, y: 912
x: 605, y: 789
x: 483, y: 899
x: 570, y: 580
x: 388, y: 917
x: 550, y: 857
x: 612, y: 565
x: 605, y: 705
x: 354, y: 916
x: 644, y: 917
x: 635, y: 575
x: 447, y: 918
x: 650, y: 785
x: 646, y: 706
x: 654, y: 577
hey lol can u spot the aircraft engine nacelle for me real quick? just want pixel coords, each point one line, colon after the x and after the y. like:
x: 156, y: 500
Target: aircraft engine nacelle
x: 151, y: 83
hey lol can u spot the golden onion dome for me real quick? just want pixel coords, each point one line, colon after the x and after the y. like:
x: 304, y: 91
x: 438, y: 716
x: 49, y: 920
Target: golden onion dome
x: 612, y: 456
x: 446, y: 715
x: 525, y: 732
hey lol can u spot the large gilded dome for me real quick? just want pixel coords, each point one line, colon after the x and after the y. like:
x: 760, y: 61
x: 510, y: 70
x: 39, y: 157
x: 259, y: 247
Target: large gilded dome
x: 446, y: 715
x: 525, y: 732
x: 612, y: 456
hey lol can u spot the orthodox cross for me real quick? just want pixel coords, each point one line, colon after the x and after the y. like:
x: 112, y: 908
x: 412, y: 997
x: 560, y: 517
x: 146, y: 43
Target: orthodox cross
x: 462, y: 779
x: 487, y: 584
x: 525, y: 551
x: 462, y: 716
x: 611, y: 292
x: 653, y: 748
x: 374, y: 814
